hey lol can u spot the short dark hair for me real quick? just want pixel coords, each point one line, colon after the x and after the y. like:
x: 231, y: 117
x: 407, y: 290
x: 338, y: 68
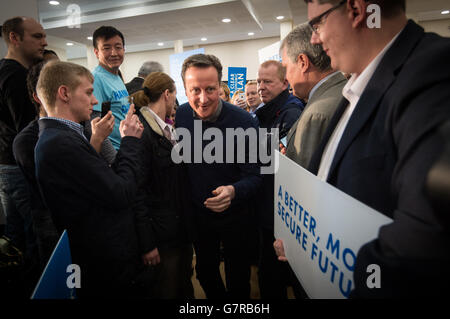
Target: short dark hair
x: 202, y: 61
x: 13, y: 25
x: 106, y: 32
x: 298, y: 41
x: 32, y: 80
x: 389, y: 8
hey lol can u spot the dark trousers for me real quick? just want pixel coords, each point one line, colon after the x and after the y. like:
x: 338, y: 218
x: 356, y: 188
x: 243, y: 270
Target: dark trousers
x: 231, y: 229
x: 173, y: 274
x: 275, y: 276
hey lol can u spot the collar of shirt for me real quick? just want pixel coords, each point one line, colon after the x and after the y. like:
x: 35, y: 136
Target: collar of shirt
x: 73, y: 125
x: 318, y: 84
x: 161, y: 123
x: 213, y: 117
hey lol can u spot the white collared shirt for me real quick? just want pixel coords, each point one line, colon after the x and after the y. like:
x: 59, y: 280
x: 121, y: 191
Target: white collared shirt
x: 352, y: 91
x: 162, y: 124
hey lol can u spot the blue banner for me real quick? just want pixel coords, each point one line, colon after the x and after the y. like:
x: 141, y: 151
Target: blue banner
x: 55, y: 282
x: 237, y: 78
x: 176, y: 63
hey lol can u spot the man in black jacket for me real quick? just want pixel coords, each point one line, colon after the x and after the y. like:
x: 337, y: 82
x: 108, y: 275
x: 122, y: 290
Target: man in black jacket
x: 25, y: 39
x: 84, y: 195
x: 280, y: 111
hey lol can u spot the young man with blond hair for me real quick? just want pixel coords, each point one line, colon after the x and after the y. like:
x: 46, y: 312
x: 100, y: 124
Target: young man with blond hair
x: 85, y: 196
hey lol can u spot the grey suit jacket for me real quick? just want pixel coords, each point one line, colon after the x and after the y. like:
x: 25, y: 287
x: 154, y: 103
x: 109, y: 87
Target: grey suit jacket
x: 306, y: 134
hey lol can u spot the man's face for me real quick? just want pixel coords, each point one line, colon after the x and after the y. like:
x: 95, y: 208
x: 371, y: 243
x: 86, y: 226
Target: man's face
x: 34, y: 41
x: 269, y: 84
x: 82, y: 100
x: 333, y: 35
x: 294, y: 75
x: 252, y: 96
x: 110, y: 53
x: 202, y: 90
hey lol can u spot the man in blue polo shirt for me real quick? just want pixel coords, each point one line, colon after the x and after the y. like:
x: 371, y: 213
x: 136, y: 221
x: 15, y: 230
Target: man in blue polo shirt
x: 108, y: 84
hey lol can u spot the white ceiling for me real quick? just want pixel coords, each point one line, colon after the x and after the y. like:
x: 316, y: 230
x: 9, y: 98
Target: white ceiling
x: 145, y: 23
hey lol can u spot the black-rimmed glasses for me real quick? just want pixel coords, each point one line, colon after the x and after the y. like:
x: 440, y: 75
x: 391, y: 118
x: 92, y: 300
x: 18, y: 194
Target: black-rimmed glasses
x: 316, y: 22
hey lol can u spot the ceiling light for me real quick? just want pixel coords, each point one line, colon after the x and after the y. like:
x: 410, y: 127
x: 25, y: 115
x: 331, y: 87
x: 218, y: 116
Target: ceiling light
x: 69, y: 44
x: 251, y: 33
x: 54, y: 3
x: 280, y: 17
x: 203, y: 39
x: 226, y: 20
x: 445, y: 12
x: 90, y: 38
x: 160, y: 44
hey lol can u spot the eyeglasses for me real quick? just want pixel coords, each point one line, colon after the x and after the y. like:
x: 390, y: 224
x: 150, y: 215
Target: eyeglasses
x: 316, y: 22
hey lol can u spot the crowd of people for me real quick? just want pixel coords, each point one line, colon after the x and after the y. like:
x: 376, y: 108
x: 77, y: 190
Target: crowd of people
x: 362, y: 108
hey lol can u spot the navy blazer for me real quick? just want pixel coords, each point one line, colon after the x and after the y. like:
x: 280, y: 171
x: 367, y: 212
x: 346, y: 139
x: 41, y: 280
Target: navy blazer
x: 383, y: 159
x: 93, y: 202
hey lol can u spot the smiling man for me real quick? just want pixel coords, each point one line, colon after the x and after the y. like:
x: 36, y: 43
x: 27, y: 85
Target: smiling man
x: 383, y: 139
x: 26, y: 41
x: 85, y: 196
x: 220, y: 190
x: 109, y: 48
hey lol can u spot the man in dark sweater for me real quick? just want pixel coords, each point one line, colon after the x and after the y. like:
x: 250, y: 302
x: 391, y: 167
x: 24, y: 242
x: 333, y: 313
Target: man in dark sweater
x: 25, y: 39
x: 220, y: 189
x: 280, y: 111
x: 86, y: 196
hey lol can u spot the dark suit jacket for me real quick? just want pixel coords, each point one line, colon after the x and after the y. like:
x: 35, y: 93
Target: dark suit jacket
x: 93, y: 202
x: 165, y: 219
x: 383, y: 158
x: 134, y: 85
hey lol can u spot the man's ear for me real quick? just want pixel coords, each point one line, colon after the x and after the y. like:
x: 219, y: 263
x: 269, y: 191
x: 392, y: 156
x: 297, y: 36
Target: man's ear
x: 303, y: 62
x: 96, y: 52
x: 357, y: 13
x: 14, y: 37
x: 63, y: 93
x: 36, y: 98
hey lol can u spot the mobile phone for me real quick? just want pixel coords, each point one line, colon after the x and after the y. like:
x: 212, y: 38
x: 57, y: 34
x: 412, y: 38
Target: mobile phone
x: 242, y: 96
x: 106, y: 107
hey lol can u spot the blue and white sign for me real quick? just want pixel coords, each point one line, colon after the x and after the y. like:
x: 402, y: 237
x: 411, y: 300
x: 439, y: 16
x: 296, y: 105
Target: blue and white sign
x: 176, y: 64
x: 237, y: 78
x: 53, y: 283
x: 322, y: 229
x: 271, y: 52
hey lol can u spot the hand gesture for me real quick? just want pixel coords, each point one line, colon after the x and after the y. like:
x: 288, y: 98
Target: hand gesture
x: 102, y: 127
x: 223, y: 195
x: 131, y: 126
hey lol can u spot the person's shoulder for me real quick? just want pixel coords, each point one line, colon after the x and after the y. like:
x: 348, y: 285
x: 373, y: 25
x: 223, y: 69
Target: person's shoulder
x: 12, y: 71
x: 239, y: 116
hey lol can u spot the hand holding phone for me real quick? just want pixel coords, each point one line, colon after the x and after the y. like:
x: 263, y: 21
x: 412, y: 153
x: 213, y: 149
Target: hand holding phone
x: 106, y: 107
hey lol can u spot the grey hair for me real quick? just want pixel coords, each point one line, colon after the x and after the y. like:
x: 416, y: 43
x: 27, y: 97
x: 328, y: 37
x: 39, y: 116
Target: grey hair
x: 298, y: 41
x: 150, y: 67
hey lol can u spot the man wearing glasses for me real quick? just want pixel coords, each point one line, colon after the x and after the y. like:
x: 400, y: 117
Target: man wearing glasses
x: 383, y: 139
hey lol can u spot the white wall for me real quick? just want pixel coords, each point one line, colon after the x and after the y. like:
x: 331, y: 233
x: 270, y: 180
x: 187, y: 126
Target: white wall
x: 441, y: 27
x: 231, y: 54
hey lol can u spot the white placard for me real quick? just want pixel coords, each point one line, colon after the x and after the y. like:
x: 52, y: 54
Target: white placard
x: 271, y: 52
x: 322, y: 229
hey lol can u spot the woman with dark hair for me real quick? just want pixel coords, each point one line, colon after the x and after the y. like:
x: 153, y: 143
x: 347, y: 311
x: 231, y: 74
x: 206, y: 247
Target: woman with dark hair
x: 162, y: 226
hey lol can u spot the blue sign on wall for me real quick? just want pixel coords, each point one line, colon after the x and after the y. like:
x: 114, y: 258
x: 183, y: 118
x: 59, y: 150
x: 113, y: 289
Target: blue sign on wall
x: 53, y: 282
x: 237, y: 78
